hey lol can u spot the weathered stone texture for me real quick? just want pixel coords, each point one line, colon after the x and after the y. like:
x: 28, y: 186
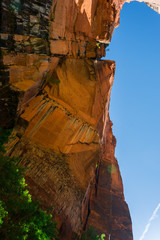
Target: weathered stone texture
x: 52, y: 74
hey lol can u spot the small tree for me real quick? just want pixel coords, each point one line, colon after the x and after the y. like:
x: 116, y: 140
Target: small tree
x: 20, y: 216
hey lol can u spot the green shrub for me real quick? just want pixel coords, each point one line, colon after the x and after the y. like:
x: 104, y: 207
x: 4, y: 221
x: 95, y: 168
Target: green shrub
x: 20, y: 216
x: 91, y: 234
x: 4, y: 134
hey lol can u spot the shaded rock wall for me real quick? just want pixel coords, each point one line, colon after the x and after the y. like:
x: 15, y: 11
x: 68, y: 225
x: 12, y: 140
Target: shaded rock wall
x: 51, y: 68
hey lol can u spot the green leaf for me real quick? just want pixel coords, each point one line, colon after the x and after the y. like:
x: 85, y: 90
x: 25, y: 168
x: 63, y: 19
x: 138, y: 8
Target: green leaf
x: 20, y: 216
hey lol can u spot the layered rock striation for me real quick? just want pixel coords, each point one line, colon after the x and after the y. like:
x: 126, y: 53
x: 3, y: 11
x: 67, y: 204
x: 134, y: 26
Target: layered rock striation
x: 55, y: 86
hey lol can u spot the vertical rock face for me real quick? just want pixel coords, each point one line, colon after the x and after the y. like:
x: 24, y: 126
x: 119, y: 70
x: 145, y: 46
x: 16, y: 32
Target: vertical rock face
x: 103, y: 205
x: 52, y: 74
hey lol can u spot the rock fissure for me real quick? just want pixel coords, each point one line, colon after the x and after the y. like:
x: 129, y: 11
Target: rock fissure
x: 87, y: 143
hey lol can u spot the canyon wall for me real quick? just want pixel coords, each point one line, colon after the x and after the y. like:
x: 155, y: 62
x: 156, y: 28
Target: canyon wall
x: 55, y: 91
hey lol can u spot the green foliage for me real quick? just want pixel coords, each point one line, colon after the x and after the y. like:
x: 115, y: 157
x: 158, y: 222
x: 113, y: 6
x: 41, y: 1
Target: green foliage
x: 20, y: 216
x: 3, y: 212
x: 102, y: 236
x: 91, y: 234
x: 98, y: 45
x: 4, y: 134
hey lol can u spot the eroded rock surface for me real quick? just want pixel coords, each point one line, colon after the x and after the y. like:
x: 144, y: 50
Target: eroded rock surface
x: 52, y: 74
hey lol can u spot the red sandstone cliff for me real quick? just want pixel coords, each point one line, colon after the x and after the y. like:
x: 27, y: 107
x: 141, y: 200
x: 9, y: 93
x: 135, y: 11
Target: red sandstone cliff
x: 50, y: 64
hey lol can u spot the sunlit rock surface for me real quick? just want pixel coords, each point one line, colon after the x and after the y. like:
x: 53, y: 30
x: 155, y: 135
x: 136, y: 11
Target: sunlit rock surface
x: 56, y: 91
x: 154, y: 4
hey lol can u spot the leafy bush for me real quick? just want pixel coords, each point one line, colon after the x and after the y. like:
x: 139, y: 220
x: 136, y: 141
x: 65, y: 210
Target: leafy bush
x: 91, y: 234
x: 4, y: 138
x: 20, y: 216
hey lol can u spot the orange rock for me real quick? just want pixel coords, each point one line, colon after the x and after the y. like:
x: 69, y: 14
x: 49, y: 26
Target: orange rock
x: 59, y: 47
x: 64, y: 134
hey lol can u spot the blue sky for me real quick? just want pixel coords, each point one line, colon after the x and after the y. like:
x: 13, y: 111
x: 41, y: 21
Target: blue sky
x: 135, y: 112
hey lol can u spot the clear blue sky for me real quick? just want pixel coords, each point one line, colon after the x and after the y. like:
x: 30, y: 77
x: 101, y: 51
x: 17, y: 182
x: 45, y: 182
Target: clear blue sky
x: 135, y: 112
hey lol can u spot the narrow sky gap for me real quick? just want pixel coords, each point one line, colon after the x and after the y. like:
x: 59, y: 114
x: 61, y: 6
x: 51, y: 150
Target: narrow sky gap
x: 134, y: 110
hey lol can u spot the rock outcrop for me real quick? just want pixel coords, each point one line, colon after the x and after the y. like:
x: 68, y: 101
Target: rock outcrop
x: 154, y: 4
x: 58, y: 90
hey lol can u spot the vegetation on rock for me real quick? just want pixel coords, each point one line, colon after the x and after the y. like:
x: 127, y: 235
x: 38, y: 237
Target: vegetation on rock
x: 91, y: 234
x: 20, y: 217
